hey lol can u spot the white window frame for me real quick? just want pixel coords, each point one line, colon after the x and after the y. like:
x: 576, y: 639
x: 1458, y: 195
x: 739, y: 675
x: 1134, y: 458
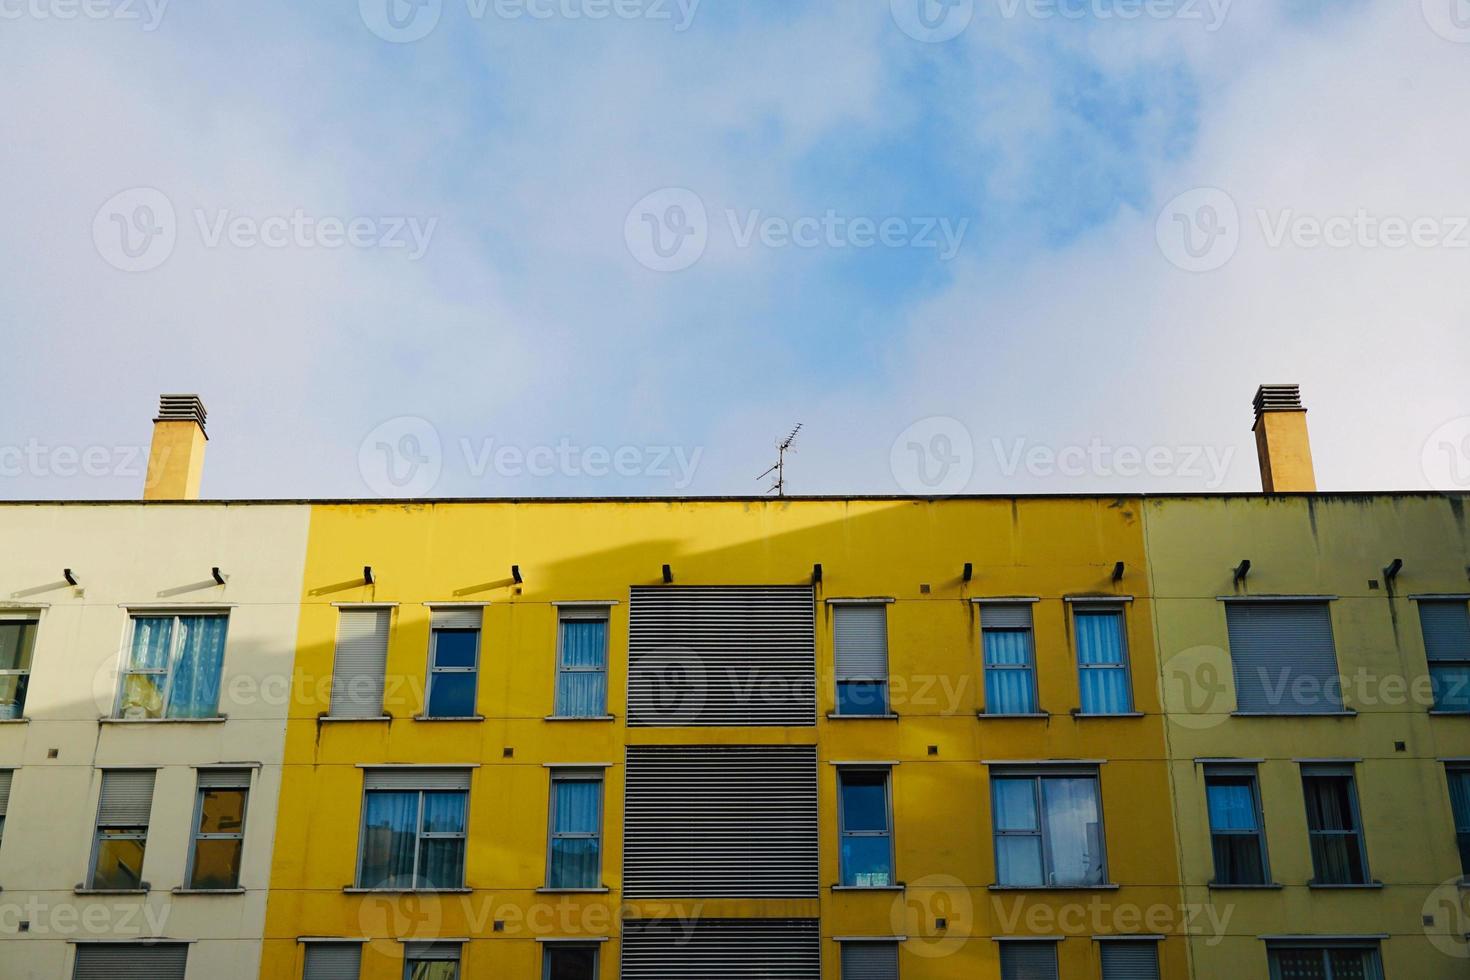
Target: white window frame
x: 434, y: 669
x: 843, y: 833
x: 1119, y: 610
x: 22, y: 621
x: 175, y: 650
x: 419, y: 837
x: 1035, y: 775
x: 578, y: 613
x: 572, y: 774
x: 196, y: 835
x: 547, y: 948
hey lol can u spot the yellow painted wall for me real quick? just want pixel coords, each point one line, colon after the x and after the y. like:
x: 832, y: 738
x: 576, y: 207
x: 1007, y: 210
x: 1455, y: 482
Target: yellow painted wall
x: 911, y: 551
x: 1321, y: 545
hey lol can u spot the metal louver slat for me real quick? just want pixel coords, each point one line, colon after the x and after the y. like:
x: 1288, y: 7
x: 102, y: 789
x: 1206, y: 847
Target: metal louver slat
x: 361, y: 659
x: 1283, y: 657
x: 130, y: 961
x: 431, y: 951
x: 1446, y: 629
x: 722, y: 949
x: 5, y: 775
x: 860, y: 642
x: 717, y: 655
x: 333, y: 961
x: 458, y: 618
x: 1130, y: 961
x: 1009, y: 616
x: 413, y: 778
x: 869, y: 961
x: 126, y: 799
x: 720, y: 821
x: 1028, y: 961
x: 224, y: 778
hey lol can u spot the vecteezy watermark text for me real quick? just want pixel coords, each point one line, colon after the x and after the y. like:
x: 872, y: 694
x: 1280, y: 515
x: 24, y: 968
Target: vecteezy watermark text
x: 148, y: 13
x: 1208, y: 464
x: 406, y: 21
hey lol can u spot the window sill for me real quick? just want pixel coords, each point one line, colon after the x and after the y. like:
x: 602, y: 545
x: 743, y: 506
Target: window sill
x: 207, y: 891
x: 1054, y: 888
x: 1370, y: 886
x: 448, y: 717
x: 1033, y: 716
x: 15, y: 721
x: 603, y: 890
x: 1087, y: 716
x: 1446, y: 713
x: 889, y: 716
x: 1269, y: 887
x: 82, y: 890
x: 870, y: 888
x: 1348, y: 713
x: 339, y: 720
x: 216, y: 720
x: 580, y: 718
x: 353, y: 890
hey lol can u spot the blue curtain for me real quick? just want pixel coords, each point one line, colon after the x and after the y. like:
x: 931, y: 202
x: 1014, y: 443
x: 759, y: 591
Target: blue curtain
x: 575, y: 822
x: 1073, y: 830
x: 441, y: 859
x: 1232, y: 807
x: 1451, y: 687
x: 1104, y: 673
x: 389, y: 834
x: 581, y: 686
x: 1009, y: 688
x: 195, y: 691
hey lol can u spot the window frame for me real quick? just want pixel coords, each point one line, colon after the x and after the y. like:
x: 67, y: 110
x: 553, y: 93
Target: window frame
x: 548, y: 947
x: 23, y: 685
x: 1029, y: 631
x: 1035, y: 775
x: 601, y: 613
x: 457, y: 959
x: 137, y: 832
x: 1461, y: 661
x: 1371, y: 950
x: 434, y: 669
x: 1053, y: 944
x: 175, y: 650
x: 1251, y: 773
x: 1337, y: 771
x: 882, y: 684
x: 575, y: 774
x: 196, y: 835
x: 1118, y: 609
x: 843, y: 833
x: 419, y: 837
x: 1462, y: 836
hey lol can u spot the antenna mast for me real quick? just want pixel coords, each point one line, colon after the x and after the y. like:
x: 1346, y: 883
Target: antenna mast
x: 779, y: 487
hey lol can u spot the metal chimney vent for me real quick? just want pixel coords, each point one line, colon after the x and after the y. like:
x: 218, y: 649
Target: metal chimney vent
x: 1278, y: 398
x: 181, y: 408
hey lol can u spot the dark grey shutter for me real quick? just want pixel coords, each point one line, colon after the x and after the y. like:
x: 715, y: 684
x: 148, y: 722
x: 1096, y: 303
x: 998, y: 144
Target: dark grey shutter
x: 1446, y: 629
x: 431, y: 951
x: 1007, y: 616
x: 722, y: 949
x: 333, y: 961
x: 720, y: 821
x: 1028, y: 961
x: 1130, y: 960
x: 722, y: 656
x: 413, y: 778
x: 1283, y: 657
x: 358, y: 667
x: 860, y: 642
x: 130, y: 961
x: 224, y: 778
x: 5, y: 775
x: 869, y: 961
x: 458, y: 617
x: 126, y: 799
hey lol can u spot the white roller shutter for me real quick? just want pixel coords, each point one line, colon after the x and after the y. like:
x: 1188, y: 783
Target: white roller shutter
x: 720, y: 821
x: 869, y: 961
x: 1283, y: 657
x: 1028, y: 961
x: 126, y: 799
x: 722, y: 656
x: 1005, y: 616
x: 224, y: 778
x: 130, y: 961
x: 860, y: 642
x: 361, y: 659
x: 413, y: 778
x: 1130, y: 960
x: 722, y: 949
x: 458, y: 617
x: 333, y: 961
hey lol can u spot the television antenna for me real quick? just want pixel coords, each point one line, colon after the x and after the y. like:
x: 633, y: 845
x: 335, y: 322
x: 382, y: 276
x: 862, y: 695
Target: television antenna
x: 779, y: 487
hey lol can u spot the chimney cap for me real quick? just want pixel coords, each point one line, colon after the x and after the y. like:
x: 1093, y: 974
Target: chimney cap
x: 1278, y: 398
x: 182, y: 408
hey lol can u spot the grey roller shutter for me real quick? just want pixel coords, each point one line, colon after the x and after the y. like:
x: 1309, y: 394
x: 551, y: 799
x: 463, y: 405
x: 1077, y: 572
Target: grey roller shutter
x: 333, y: 961
x: 1283, y: 657
x: 722, y: 949
x: 1008, y: 616
x: 431, y: 951
x: 860, y: 642
x: 126, y: 799
x: 458, y: 618
x: 1028, y: 961
x: 130, y: 961
x: 869, y: 961
x: 1130, y: 961
x: 361, y: 659
x: 5, y: 775
x: 1446, y: 629
x: 722, y: 656
x: 412, y: 779
x: 224, y: 779
x: 720, y: 821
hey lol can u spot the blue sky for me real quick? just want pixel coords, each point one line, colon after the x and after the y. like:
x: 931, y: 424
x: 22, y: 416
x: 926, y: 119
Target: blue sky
x: 1057, y: 322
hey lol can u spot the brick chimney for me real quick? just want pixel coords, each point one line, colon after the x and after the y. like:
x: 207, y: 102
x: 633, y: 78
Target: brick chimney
x: 1282, y: 445
x: 176, y: 460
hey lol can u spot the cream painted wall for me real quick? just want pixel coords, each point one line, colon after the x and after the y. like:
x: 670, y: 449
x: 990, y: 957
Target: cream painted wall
x: 133, y: 555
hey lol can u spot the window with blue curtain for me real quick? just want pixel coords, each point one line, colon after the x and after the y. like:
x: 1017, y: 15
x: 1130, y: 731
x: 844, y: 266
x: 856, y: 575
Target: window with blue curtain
x: 1459, y: 777
x: 581, y: 677
x: 1446, y: 625
x: 575, y: 852
x: 173, y: 667
x: 1236, y: 834
x: 1102, y: 662
x: 1010, y: 659
x: 413, y: 838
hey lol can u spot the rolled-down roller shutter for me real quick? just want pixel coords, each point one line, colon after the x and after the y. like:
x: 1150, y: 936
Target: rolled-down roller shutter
x: 1446, y: 629
x: 1283, y: 657
x: 1130, y: 960
x: 412, y: 778
x: 720, y: 821
x: 4, y: 790
x: 126, y: 799
x: 130, y: 961
x: 359, y: 664
x: 860, y: 642
x: 869, y: 961
x: 1028, y: 961
x: 458, y: 617
x: 333, y: 961
x: 738, y: 655
x: 1005, y: 616
x: 224, y: 779
x: 431, y: 951
x: 722, y: 949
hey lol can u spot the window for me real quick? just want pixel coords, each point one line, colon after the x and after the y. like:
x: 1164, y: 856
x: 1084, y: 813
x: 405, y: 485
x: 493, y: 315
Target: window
x: 1459, y: 777
x: 413, y: 829
x: 1338, y: 854
x: 219, y: 829
x: 17, y: 643
x: 1343, y: 962
x: 860, y: 658
x: 1236, y: 831
x: 333, y: 961
x: 869, y: 961
x: 431, y: 961
x: 109, y: 961
x: 1028, y: 961
x: 122, y: 829
x: 581, y: 664
x: 1048, y: 829
x: 568, y: 961
x: 1446, y: 627
x: 173, y: 667
x: 1102, y: 662
x: 454, y: 659
x: 359, y: 663
x: 1284, y: 658
x: 1130, y: 960
x: 574, y: 858
x: 5, y: 778
x: 867, y: 828
x: 1010, y: 659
